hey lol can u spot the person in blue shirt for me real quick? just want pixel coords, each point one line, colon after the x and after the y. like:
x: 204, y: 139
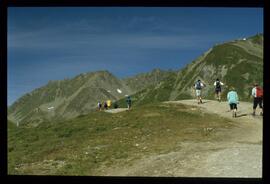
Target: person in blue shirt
x: 233, y: 100
x: 128, y: 100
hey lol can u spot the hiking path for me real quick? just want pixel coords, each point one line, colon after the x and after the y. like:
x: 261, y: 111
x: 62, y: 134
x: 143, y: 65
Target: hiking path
x: 238, y: 155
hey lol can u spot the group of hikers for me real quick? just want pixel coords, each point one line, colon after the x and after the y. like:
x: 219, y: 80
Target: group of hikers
x: 199, y: 85
x: 232, y: 96
x: 107, y: 104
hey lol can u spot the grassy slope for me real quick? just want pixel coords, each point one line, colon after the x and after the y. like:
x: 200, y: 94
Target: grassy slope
x: 144, y: 80
x: 243, y: 69
x: 230, y: 55
x: 84, y: 145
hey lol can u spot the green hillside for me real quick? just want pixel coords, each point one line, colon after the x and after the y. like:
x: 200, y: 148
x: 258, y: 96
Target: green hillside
x: 144, y: 80
x: 154, y: 93
x: 238, y: 63
x: 89, y: 144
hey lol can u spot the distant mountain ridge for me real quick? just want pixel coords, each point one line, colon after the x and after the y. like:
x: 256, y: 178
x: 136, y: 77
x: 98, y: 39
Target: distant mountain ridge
x: 67, y: 98
x: 237, y: 63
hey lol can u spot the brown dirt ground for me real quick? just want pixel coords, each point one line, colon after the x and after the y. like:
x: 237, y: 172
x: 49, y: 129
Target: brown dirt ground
x: 238, y: 156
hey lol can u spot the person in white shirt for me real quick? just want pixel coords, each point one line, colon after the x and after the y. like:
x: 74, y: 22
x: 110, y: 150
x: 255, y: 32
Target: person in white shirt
x: 218, y: 85
x: 99, y: 106
x: 198, y: 87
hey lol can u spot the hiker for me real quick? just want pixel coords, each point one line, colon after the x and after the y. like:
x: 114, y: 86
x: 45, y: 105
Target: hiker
x: 99, y: 106
x: 218, y: 85
x: 128, y: 102
x: 232, y: 98
x: 257, y: 93
x: 198, y: 87
x: 115, y: 105
x: 105, y: 105
x: 109, y: 102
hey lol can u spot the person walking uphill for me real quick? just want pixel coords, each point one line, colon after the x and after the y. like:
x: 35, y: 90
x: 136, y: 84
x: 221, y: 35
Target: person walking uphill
x: 128, y: 102
x: 257, y: 93
x: 232, y: 98
x: 218, y: 85
x: 198, y: 87
x: 105, y: 105
x: 99, y: 106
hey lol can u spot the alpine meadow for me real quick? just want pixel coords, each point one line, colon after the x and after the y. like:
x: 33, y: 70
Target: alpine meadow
x: 57, y: 129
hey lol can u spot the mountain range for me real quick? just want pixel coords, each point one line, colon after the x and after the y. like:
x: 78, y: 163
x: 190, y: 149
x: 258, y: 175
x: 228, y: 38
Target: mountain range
x: 237, y: 63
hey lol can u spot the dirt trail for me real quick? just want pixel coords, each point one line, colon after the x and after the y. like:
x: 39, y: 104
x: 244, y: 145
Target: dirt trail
x: 116, y: 110
x: 238, y: 156
x: 251, y: 126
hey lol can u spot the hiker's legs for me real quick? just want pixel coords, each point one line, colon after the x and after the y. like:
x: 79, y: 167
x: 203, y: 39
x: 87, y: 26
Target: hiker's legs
x: 198, y: 94
x: 200, y: 97
x: 254, y: 112
x: 231, y: 108
x: 260, y: 105
x: 234, y: 113
x: 235, y: 109
x: 255, y: 104
x: 219, y: 96
x: 216, y: 92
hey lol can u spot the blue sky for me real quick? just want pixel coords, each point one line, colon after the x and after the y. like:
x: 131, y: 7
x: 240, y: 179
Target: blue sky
x: 53, y: 43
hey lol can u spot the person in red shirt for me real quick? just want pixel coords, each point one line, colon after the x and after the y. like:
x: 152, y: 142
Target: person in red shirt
x: 257, y: 93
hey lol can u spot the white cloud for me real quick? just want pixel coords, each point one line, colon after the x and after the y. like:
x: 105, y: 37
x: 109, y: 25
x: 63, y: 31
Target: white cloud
x: 57, y: 40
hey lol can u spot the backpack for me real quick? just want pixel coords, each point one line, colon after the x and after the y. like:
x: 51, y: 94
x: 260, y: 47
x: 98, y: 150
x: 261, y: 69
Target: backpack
x: 128, y: 100
x: 198, y: 85
x: 259, y: 92
x: 218, y: 86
